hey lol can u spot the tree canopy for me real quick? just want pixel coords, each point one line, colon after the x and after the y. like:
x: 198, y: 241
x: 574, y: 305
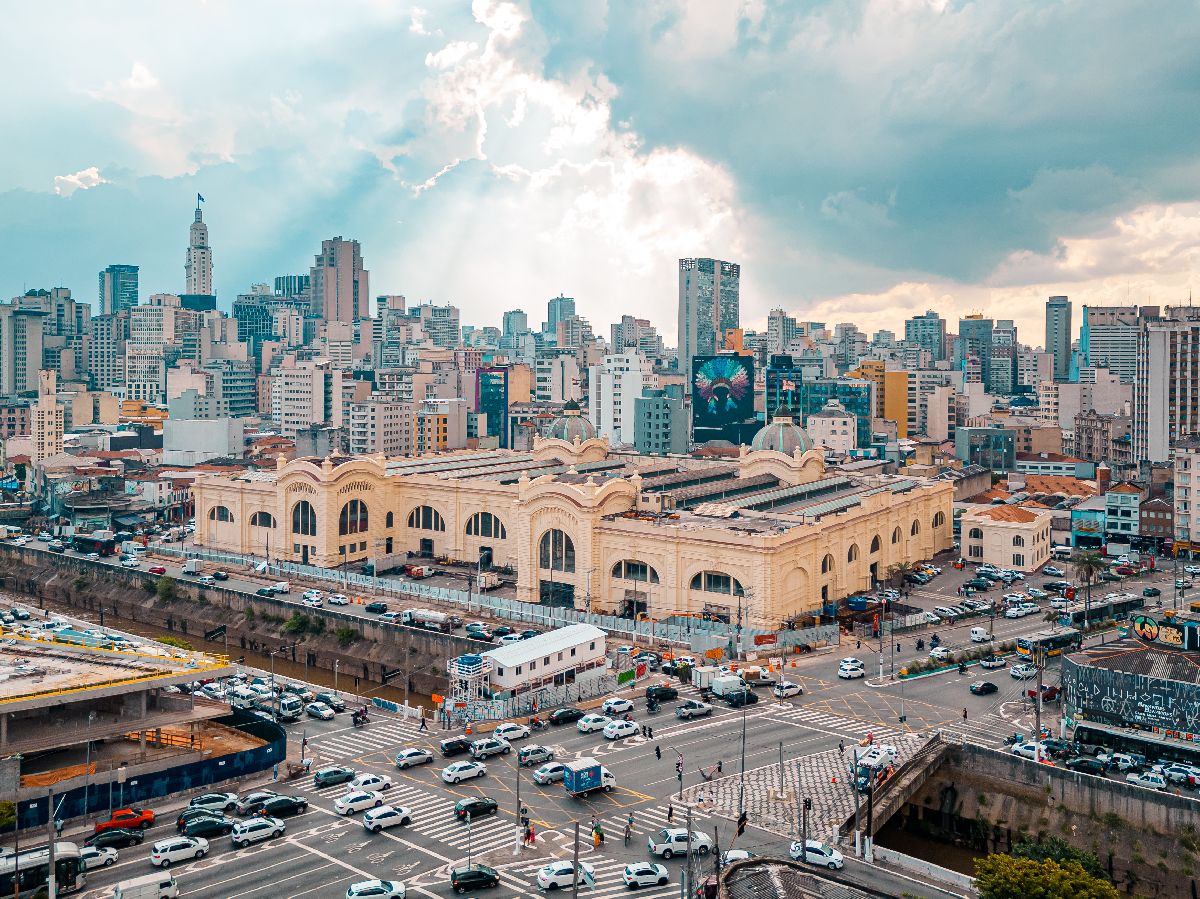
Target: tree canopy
x: 1008, y: 877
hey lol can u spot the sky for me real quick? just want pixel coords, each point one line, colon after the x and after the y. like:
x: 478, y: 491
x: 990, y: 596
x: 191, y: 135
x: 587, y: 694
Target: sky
x: 863, y: 161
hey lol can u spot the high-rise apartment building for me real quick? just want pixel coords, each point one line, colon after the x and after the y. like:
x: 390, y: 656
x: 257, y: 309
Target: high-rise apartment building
x: 1108, y: 338
x: 1186, y: 462
x: 339, y: 285
x: 47, y: 420
x: 613, y: 385
x: 1058, y: 336
x: 381, y: 425
x: 118, y: 288
x: 660, y: 421
x: 307, y: 393
x: 440, y: 323
x: 557, y: 376
x: 106, y: 351
x: 515, y: 322
x: 1166, y: 389
x: 198, y: 267
x: 22, y: 334
x: 782, y: 330
x: 709, y: 305
x: 556, y: 310
x: 975, y: 343
x: 293, y: 285
x: 927, y: 331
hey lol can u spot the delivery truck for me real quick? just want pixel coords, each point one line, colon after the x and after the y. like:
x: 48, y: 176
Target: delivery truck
x: 417, y: 572
x: 702, y: 676
x: 726, y: 684
x: 757, y: 676
x: 487, y: 580
x: 585, y: 775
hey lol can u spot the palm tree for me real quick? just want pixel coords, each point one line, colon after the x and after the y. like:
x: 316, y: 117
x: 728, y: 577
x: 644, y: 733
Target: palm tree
x: 1086, y: 565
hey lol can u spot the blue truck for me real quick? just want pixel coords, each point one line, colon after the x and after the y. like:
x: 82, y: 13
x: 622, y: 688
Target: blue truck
x: 584, y: 776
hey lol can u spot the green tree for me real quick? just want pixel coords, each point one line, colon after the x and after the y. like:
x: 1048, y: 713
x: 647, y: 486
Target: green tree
x: 1086, y: 565
x: 297, y: 624
x: 165, y: 589
x: 898, y: 572
x: 1059, y: 850
x: 8, y: 814
x: 177, y: 642
x: 346, y: 635
x: 1008, y: 877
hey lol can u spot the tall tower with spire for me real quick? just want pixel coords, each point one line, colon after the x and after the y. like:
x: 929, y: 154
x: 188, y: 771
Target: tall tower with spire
x: 198, y: 267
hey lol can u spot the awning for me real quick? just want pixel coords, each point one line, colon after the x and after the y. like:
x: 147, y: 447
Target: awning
x: 129, y: 521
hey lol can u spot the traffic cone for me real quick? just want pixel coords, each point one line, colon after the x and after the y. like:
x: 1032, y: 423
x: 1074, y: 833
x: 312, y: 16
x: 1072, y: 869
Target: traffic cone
x: 468, y: 729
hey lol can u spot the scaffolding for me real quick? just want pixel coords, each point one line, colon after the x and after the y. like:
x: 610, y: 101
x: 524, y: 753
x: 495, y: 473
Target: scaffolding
x: 469, y: 691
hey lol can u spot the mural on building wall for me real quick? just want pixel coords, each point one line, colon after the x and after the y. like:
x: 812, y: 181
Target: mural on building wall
x: 722, y: 390
x: 1121, y: 699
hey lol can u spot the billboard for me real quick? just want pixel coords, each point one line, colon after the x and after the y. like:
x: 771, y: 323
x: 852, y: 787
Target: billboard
x: 1168, y: 632
x: 722, y: 391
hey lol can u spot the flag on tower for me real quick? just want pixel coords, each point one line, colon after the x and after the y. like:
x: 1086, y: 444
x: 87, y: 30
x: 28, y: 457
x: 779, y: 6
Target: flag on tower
x: 199, y: 199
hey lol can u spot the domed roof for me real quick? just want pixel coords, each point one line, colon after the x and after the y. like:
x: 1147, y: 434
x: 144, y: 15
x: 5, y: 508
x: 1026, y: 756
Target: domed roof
x: 782, y: 435
x: 570, y: 425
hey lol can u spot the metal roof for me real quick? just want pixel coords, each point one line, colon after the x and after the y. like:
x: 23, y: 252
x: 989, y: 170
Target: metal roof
x: 526, y: 651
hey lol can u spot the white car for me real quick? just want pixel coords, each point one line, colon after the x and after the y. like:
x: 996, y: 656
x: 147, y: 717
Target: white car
x: 557, y: 875
x: 406, y: 758
x: 616, y: 705
x: 817, y: 853
x: 1030, y: 608
x: 1036, y: 593
x: 850, y: 660
x: 1015, y: 597
x: 165, y: 853
x: 1014, y: 612
x: 944, y: 611
x: 377, y: 819
x: 851, y: 671
x: 1053, y: 571
x: 215, y: 802
x: 357, y: 801
x: 931, y: 618
x: 1059, y: 603
x: 460, y: 771
x: 311, y: 594
x: 512, y: 731
x: 130, y: 563
x: 376, y: 889
x: 1147, y: 779
x: 368, y: 781
x: 673, y: 841
x: 644, y: 874
x: 311, y: 603
x: 589, y: 723
x: 338, y: 599
x: 939, y: 653
x: 1022, y: 671
x: 616, y: 730
x: 549, y: 772
x: 255, y: 830
x: 1027, y: 750
x: 785, y: 689
x: 97, y: 856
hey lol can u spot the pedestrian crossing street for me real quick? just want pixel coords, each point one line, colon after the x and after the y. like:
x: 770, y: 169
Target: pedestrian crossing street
x: 378, y: 736
x: 433, y: 817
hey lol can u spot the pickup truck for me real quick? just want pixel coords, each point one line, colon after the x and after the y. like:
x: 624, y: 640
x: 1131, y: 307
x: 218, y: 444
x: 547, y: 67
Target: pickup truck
x: 585, y: 775
x: 127, y: 818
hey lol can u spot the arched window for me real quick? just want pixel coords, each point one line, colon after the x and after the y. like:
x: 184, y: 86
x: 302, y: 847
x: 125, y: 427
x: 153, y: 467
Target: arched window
x: 1018, y: 540
x: 219, y: 513
x: 852, y: 553
x: 304, y: 519
x: 262, y: 520
x: 827, y: 564
x: 915, y: 529
x: 485, y: 524
x: 939, y: 519
x: 717, y: 582
x: 556, y: 552
x: 633, y: 570
x: 876, y: 543
x: 426, y: 518
x: 353, y: 519
x: 389, y: 519
x: 895, y: 536
x: 975, y: 534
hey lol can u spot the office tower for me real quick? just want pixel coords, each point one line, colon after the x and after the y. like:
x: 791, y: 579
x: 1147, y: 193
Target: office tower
x: 1166, y: 389
x: 927, y: 331
x: 709, y: 305
x: 118, y: 288
x: 782, y: 380
x: 293, y: 285
x: 106, y: 351
x: 515, y: 322
x: 557, y: 376
x: 492, y: 399
x: 556, y: 310
x: 633, y: 333
x: 22, y: 334
x: 660, y: 421
x: 856, y: 395
x: 1002, y: 368
x: 1034, y: 368
x: 441, y: 324
x: 781, y: 331
x: 339, y: 285
x: 975, y: 343
x: 573, y: 331
x: 1058, y: 336
x: 1108, y: 338
x: 613, y: 385
x: 198, y: 268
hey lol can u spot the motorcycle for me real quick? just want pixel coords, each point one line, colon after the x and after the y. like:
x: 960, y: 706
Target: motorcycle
x: 537, y: 723
x: 920, y: 645
x: 652, y: 708
x: 359, y: 718
x: 962, y: 668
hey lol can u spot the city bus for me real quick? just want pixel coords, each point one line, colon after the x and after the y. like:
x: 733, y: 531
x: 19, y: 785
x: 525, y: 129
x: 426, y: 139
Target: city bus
x: 1155, y: 747
x: 1113, y: 605
x: 1050, y: 643
x: 32, y: 867
x: 89, y: 543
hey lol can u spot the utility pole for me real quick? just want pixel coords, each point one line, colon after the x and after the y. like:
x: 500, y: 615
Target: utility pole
x: 575, y: 880
x: 870, y: 840
x: 742, y: 775
x: 336, y: 662
x: 854, y: 789
x: 1038, y: 661
x: 781, y: 767
x: 805, y: 808
x: 519, y: 829
x: 51, y: 883
x: 688, y: 876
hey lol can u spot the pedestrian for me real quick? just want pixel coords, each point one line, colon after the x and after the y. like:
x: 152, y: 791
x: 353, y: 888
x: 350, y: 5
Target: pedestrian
x: 720, y: 766
x: 644, y: 730
x: 858, y: 644
x: 650, y: 733
x: 670, y: 813
x: 964, y: 714
x: 897, y: 647
x: 422, y: 728
x: 658, y: 753
x: 700, y: 797
x: 841, y: 747
x: 532, y: 836
x: 275, y: 772
x: 596, y: 839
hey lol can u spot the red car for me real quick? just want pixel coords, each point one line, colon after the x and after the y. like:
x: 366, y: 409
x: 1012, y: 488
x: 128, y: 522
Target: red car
x: 128, y: 818
x: 1049, y: 694
x: 157, y: 569
x: 1126, y: 570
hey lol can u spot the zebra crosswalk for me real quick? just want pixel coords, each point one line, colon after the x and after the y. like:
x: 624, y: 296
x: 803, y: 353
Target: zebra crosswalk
x: 607, y: 873
x: 837, y: 725
x: 650, y: 820
x: 378, y: 736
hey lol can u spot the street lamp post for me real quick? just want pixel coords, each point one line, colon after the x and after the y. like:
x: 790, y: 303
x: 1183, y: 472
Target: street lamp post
x: 336, y: 663
x: 742, y: 775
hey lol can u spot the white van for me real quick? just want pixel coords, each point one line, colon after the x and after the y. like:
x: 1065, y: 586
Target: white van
x: 1060, y: 552
x: 149, y: 886
x: 243, y: 698
x: 282, y: 587
x: 980, y: 635
x: 207, y: 580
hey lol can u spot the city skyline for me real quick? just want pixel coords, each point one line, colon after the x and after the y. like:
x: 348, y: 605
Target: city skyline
x: 978, y: 208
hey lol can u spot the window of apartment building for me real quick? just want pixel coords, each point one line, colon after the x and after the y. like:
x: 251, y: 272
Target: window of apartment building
x: 1018, y: 559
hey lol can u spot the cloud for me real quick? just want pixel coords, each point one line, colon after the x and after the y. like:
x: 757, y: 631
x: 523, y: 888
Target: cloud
x: 65, y: 185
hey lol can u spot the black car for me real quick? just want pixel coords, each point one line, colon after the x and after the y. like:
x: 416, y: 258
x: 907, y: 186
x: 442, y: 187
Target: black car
x: 475, y: 877
x: 1086, y: 764
x: 376, y: 608
x: 1151, y: 591
x: 115, y: 838
x: 210, y: 825
x: 740, y: 698
x: 193, y: 814
x: 502, y: 631
x: 253, y: 801
x: 220, y: 576
x: 474, y: 807
x: 566, y: 715
x: 283, y: 807
x: 264, y: 591
x: 983, y: 688
x: 525, y: 635
x: 454, y: 746
x: 332, y: 700
x: 662, y: 693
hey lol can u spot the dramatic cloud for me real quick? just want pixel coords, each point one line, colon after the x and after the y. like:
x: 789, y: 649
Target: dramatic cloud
x: 65, y: 185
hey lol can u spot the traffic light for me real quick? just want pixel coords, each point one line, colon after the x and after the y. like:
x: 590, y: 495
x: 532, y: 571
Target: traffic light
x: 657, y: 753
x: 807, y: 804
x: 679, y: 766
x: 741, y: 823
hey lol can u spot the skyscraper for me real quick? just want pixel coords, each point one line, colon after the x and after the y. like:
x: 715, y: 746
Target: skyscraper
x: 1058, y: 336
x: 1108, y: 338
x: 1166, y: 391
x: 515, y: 322
x: 558, y: 309
x: 927, y: 331
x: 975, y: 341
x: 709, y: 305
x: 118, y: 288
x: 339, y: 283
x: 198, y: 267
